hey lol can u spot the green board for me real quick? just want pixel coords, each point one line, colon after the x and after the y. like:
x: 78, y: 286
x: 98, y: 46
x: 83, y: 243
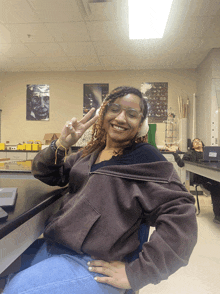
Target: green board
x: 151, y: 134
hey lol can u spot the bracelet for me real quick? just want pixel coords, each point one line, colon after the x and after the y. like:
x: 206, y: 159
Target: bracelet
x: 59, y: 151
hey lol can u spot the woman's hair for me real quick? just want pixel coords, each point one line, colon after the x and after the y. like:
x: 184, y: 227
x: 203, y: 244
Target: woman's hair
x: 98, y: 140
x: 191, y: 146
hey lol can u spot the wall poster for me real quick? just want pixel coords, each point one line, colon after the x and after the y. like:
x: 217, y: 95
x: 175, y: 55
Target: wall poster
x: 93, y: 95
x: 157, y: 99
x: 38, y: 98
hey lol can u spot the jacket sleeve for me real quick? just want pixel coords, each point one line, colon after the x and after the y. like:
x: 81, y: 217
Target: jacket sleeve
x: 46, y: 170
x: 173, y: 240
x: 180, y: 161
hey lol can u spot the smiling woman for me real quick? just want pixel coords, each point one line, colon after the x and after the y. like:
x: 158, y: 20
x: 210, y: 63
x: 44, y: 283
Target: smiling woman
x: 120, y: 122
x: 118, y: 183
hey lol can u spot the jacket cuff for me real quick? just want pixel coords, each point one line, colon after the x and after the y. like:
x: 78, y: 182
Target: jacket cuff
x: 59, y: 153
x: 136, y: 277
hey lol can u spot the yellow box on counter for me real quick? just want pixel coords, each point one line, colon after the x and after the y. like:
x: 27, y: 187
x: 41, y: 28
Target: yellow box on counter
x: 21, y: 147
x: 2, y: 146
x: 35, y: 147
x: 28, y: 147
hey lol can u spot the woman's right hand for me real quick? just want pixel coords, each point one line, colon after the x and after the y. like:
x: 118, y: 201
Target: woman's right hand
x: 74, y: 129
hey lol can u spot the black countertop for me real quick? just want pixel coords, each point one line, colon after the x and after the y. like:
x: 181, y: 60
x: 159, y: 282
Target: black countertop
x: 33, y: 196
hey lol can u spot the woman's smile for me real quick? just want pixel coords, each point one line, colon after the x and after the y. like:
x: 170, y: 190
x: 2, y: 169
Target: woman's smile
x: 118, y: 128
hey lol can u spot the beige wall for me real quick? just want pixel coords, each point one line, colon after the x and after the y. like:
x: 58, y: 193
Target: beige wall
x: 208, y: 73
x: 203, y: 101
x: 66, y: 97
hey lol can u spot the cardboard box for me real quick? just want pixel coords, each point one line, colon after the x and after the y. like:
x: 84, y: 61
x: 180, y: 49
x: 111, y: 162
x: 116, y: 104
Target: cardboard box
x: 48, y: 138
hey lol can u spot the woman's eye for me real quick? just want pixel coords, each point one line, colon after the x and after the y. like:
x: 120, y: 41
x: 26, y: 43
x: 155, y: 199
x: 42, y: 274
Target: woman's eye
x: 132, y: 113
x: 114, y: 108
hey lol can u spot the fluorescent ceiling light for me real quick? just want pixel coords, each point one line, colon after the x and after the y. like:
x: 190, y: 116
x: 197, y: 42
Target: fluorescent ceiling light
x: 148, y: 18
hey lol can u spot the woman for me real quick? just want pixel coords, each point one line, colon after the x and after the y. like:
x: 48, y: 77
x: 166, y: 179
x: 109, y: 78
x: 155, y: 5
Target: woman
x: 195, y: 154
x: 116, y: 183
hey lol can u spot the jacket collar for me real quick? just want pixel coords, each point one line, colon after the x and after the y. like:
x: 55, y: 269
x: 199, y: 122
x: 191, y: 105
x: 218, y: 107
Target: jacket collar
x: 160, y: 171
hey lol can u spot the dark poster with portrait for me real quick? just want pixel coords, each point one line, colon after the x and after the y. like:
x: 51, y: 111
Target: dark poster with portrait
x: 38, y: 98
x: 156, y: 95
x: 93, y: 95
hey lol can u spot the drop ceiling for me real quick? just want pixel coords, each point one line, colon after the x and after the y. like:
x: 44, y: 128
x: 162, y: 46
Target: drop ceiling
x: 90, y: 35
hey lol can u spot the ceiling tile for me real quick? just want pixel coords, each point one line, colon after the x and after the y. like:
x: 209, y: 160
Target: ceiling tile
x: 31, y: 64
x: 30, y: 32
x: 68, y: 32
x: 53, y: 5
x: 5, y: 35
x: 57, y: 11
x: 213, y: 30
x: 16, y: 11
x: 7, y: 64
x: 10, y: 66
x: 46, y: 49
x: 16, y: 50
x: 112, y: 47
x: 121, y: 62
x: 210, y: 42
x: 56, y: 16
x: 59, y: 63
x: 100, y: 11
x: 204, y: 7
x: 107, y: 30
x: 86, y: 63
x: 192, y: 27
x: 78, y: 48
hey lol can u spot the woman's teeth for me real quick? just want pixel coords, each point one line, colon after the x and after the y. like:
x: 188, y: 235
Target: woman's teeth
x: 119, y: 128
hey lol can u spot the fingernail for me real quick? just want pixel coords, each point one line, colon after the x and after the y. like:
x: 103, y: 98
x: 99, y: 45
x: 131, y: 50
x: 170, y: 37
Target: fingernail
x: 90, y: 268
x: 88, y: 263
x: 95, y: 278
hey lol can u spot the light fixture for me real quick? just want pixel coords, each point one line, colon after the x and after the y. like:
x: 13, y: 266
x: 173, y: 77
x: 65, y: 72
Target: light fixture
x: 148, y: 18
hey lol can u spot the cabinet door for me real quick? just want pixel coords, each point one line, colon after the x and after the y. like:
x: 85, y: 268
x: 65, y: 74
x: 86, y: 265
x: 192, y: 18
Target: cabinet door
x: 31, y: 155
x: 3, y: 154
x: 16, y: 155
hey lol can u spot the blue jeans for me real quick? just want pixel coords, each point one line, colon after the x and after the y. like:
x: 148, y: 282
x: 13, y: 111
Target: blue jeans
x: 52, y: 268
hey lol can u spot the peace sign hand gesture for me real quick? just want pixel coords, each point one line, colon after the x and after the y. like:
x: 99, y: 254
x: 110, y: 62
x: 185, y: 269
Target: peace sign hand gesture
x: 74, y: 129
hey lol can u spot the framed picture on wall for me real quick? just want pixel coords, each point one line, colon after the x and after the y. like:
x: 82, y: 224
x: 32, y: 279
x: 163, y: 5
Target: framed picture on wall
x: 156, y: 95
x: 93, y: 95
x: 38, y: 102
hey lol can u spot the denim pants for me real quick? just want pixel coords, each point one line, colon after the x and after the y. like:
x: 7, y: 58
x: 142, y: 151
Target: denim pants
x: 52, y: 268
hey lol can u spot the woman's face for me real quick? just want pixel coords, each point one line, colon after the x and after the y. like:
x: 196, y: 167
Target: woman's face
x: 122, y: 120
x: 197, y: 144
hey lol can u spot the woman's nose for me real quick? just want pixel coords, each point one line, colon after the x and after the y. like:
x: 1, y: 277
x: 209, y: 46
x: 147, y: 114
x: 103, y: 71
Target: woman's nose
x: 121, y: 116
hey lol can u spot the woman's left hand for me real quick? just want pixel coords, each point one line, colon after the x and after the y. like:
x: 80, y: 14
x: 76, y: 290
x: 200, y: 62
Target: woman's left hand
x: 114, y: 272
